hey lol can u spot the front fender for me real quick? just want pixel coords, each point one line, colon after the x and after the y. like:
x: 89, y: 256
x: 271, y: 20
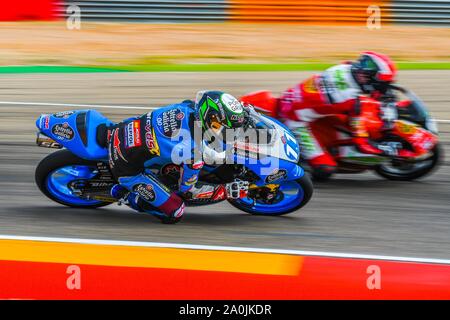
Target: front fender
x: 276, y: 171
x: 422, y: 140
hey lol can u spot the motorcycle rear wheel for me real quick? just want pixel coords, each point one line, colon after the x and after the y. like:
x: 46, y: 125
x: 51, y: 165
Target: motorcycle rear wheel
x: 49, y: 177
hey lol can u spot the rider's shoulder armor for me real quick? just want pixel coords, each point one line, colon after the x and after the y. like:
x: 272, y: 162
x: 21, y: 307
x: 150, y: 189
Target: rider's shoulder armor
x: 339, y: 84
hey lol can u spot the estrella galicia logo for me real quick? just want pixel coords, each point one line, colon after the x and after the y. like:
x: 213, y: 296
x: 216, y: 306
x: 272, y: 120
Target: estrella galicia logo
x: 63, y: 131
x: 169, y: 122
x: 277, y: 174
x: 145, y: 191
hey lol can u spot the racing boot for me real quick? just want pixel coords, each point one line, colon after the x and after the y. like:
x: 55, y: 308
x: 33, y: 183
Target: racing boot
x: 149, y: 195
x: 322, y: 167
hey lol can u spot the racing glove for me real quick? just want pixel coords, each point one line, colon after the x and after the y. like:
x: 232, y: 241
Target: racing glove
x: 363, y: 145
x: 189, y: 175
x: 359, y: 131
x: 361, y: 136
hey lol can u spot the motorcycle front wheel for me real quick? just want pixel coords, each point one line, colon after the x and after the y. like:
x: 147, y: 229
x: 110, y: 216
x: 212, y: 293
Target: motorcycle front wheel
x: 291, y: 196
x: 407, y: 171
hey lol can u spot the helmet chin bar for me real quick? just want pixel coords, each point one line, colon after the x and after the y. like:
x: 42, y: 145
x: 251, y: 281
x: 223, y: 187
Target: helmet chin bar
x: 367, y: 88
x: 362, y: 78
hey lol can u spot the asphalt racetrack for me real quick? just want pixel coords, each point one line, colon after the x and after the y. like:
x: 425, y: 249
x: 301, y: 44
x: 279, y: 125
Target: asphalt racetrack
x: 351, y: 214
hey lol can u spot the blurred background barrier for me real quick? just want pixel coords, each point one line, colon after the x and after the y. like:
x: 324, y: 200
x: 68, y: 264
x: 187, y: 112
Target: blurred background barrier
x: 150, y: 10
x: 17, y: 10
x: 435, y: 12
x: 305, y: 11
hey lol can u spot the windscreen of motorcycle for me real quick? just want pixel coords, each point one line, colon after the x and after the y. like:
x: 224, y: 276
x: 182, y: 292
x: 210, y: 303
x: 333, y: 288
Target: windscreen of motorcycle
x: 271, y: 139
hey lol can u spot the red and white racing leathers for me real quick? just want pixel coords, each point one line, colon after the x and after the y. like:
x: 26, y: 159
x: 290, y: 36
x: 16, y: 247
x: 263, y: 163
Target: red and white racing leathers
x: 333, y: 92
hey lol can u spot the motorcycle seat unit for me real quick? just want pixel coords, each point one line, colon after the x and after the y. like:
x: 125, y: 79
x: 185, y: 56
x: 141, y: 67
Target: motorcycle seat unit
x: 81, y: 131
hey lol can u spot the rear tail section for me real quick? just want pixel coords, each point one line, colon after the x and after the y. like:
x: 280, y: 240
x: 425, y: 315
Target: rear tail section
x: 75, y: 130
x: 263, y: 101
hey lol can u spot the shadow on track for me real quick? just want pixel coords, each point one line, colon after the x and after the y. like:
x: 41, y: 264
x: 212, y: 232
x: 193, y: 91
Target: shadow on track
x: 128, y: 218
x: 353, y: 184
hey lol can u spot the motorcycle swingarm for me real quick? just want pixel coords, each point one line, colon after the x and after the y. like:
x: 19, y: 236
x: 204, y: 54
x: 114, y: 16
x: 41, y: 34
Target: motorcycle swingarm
x: 96, y: 189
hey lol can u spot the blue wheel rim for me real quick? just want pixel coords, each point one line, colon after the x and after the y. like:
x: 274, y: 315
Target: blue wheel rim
x: 291, y: 194
x: 57, y: 184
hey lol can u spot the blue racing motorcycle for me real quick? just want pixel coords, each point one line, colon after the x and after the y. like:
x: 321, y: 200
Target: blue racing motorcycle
x: 79, y: 176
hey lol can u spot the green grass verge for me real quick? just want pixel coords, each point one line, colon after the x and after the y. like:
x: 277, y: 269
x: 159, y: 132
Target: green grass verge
x: 266, y: 67
x: 206, y: 67
x: 223, y: 67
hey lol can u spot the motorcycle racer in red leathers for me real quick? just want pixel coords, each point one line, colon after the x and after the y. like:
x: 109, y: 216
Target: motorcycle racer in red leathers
x: 335, y: 92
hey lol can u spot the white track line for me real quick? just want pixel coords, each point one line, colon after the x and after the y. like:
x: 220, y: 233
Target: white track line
x: 51, y: 104
x: 223, y: 248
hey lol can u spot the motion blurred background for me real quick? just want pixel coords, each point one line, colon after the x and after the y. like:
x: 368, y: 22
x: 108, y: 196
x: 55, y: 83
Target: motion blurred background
x: 145, y: 33
x: 91, y: 52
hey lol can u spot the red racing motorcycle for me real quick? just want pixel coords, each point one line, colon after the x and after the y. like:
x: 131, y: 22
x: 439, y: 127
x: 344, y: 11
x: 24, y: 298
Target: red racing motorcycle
x: 402, y: 128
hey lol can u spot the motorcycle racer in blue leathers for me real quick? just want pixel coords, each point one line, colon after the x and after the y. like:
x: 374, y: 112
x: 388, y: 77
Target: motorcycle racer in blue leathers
x: 166, y: 133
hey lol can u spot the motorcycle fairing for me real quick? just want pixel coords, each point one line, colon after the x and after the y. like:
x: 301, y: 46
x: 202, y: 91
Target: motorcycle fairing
x: 77, y: 131
x: 421, y: 140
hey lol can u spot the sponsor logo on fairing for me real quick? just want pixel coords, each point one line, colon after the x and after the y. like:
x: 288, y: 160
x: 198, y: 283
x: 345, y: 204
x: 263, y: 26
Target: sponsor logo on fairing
x: 45, y: 122
x: 150, y: 137
x: 169, y: 122
x: 63, y: 131
x: 133, y: 134
x: 277, y: 174
x: 116, y: 147
x: 145, y: 191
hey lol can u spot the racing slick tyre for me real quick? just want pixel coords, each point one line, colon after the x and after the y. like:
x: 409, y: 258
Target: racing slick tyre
x: 284, y: 203
x: 411, y: 171
x: 55, y: 172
